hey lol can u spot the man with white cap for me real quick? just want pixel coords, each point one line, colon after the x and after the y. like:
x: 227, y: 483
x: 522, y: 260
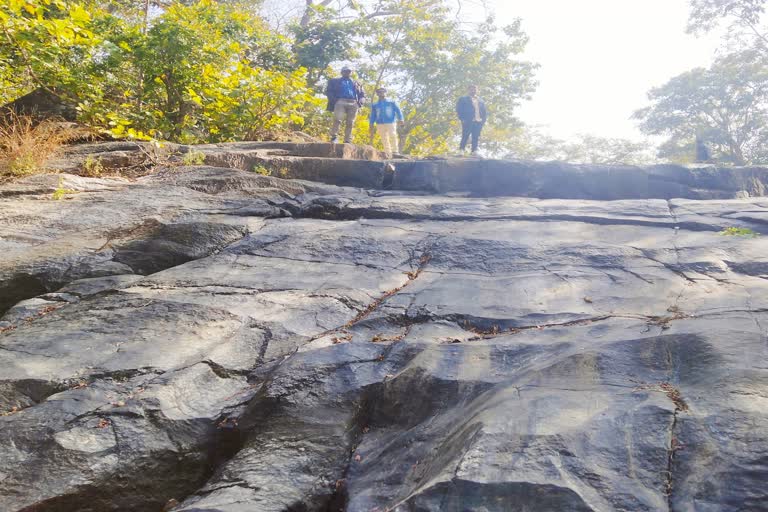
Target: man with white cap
x: 386, y: 115
x: 345, y: 97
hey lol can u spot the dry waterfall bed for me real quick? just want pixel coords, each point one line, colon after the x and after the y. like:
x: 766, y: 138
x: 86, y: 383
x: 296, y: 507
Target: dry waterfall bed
x: 216, y: 339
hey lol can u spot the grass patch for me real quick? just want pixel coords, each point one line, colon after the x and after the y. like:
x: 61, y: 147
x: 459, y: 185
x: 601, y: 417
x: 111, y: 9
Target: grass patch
x: 193, y: 157
x: 61, y: 192
x: 26, y: 143
x: 732, y: 231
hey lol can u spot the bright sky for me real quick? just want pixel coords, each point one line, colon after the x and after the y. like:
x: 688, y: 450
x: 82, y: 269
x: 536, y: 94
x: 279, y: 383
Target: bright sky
x: 599, y: 58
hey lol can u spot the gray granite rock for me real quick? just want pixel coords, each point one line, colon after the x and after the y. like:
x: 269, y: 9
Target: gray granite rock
x: 205, y: 339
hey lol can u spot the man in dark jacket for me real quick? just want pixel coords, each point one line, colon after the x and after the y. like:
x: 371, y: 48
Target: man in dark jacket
x: 473, y: 114
x: 345, y: 97
x: 702, y: 151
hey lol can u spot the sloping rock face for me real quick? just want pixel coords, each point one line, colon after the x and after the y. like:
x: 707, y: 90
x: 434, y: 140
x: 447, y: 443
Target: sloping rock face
x: 207, y: 339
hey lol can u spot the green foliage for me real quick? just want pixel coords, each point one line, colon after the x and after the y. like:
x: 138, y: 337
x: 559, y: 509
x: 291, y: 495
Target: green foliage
x: 46, y: 43
x: 206, y: 72
x: 201, y: 72
x: 322, y: 39
x: 212, y: 71
x: 92, y: 167
x: 260, y: 169
x: 23, y: 165
x: 193, y: 157
x: 726, y: 105
x: 429, y: 58
x: 733, y: 231
x: 60, y: 192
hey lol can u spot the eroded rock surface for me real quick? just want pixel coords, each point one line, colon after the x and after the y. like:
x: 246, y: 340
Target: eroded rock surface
x: 206, y: 339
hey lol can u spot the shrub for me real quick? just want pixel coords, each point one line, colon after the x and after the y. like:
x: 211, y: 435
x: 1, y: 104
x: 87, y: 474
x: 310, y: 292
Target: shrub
x: 25, y: 144
x: 61, y: 192
x: 193, y: 157
x: 260, y: 169
x: 92, y: 167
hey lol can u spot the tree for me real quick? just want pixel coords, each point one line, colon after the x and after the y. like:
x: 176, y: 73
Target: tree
x: 593, y: 149
x: 321, y: 38
x: 428, y: 58
x: 211, y: 72
x: 726, y: 105
x: 744, y: 17
x: 529, y: 143
x: 195, y: 72
x: 44, y: 43
x: 424, y: 54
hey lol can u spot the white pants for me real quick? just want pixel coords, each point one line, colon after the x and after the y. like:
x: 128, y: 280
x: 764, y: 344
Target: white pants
x: 388, y: 134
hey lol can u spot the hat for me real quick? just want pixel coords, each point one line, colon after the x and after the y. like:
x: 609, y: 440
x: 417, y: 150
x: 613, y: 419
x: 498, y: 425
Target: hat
x: 346, y: 68
x: 381, y: 89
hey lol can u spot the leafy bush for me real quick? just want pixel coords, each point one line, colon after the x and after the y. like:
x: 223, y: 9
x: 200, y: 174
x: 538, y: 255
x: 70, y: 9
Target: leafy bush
x: 92, y: 167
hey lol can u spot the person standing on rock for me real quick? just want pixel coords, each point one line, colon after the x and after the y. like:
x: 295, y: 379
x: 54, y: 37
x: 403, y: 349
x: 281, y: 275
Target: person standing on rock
x: 345, y: 97
x: 702, y: 151
x: 385, y: 116
x: 472, y: 114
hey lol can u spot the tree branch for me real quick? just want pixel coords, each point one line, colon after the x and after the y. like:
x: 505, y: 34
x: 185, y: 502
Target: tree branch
x: 308, y: 11
x: 27, y: 64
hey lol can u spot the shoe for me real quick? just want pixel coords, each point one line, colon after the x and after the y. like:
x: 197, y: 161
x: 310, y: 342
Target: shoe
x: 347, y: 141
x: 334, y: 140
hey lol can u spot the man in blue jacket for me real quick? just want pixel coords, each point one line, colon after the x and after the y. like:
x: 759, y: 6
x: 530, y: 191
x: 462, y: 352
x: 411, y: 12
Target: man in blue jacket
x: 386, y: 115
x: 472, y: 114
x: 345, y: 97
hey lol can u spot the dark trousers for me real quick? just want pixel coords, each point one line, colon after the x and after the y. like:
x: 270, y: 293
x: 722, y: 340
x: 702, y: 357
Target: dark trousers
x: 470, y: 129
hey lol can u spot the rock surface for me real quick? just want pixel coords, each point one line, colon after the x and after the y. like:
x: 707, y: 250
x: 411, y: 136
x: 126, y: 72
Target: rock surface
x: 207, y: 339
x: 362, y: 166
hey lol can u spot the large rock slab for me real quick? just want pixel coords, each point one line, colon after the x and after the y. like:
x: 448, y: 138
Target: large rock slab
x: 363, y: 166
x: 574, y: 181
x: 205, y: 339
x: 101, y: 227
